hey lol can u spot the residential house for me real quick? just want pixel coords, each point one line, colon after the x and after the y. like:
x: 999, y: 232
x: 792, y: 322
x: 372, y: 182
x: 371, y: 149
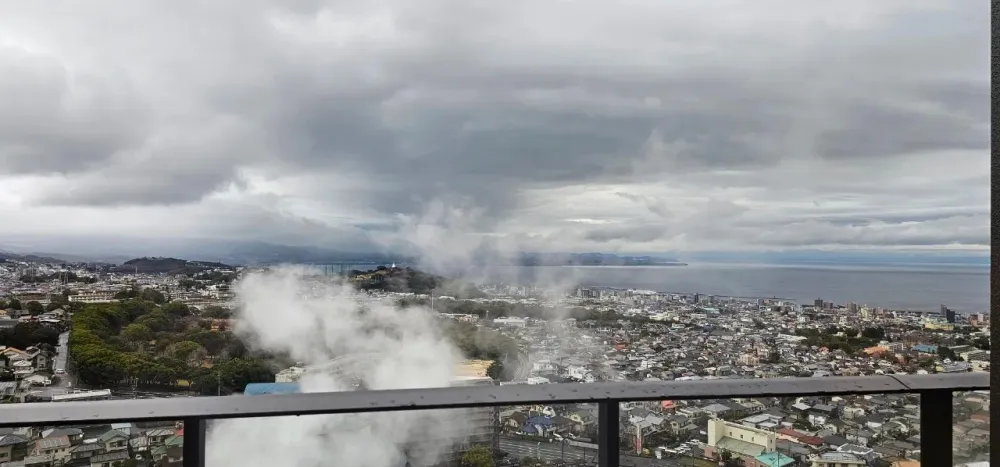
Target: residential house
x: 114, y: 440
x: 172, y: 456
x: 853, y: 412
x: 771, y: 459
x: 171, y: 453
x: 158, y: 436
x: 80, y: 454
x: 675, y: 422
x: 865, y: 453
x: 538, y: 425
x: 13, y: 447
x: 56, y: 446
x: 836, y: 459
x: 717, y: 410
x: 906, y: 449
x: 75, y: 435
x: 817, y: 419
x: 515, y: 421
x: 40, y: 359
x: 582, y: 419
x: 860, y: 436
x: 108, y: 459
x: 40, y: 460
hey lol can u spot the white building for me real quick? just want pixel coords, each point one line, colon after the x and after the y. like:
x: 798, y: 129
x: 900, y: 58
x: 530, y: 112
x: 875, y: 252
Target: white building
x: 93, y: 296
x: 512, y: 322
x: 83, y: 396
x: 836, y: 459
x: 739, y: 440
x: 289, y: 375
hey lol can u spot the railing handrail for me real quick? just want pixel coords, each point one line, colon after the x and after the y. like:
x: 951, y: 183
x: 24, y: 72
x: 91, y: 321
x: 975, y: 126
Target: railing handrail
x: 171, y: 409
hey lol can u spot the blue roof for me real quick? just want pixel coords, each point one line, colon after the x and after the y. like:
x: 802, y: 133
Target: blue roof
x: 926, y: 348
x: 256, y: 389
x: 774, y: 459
x: 540, y: 420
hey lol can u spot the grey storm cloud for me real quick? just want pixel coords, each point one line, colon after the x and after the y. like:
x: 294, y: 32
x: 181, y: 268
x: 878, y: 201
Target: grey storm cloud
x: 666, y: 120
x: 55, y: 122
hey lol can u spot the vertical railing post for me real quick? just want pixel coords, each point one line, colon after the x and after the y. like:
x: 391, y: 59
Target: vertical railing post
x: 607, y: 434
x: 936, y: 427
x: 194, y: 442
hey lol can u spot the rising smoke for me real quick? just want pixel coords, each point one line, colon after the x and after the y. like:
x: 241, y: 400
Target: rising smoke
x: 460, y: 240
x: 284, y: 311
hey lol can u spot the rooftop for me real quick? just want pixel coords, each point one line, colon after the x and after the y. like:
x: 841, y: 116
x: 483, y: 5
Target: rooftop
x: 838, y: 456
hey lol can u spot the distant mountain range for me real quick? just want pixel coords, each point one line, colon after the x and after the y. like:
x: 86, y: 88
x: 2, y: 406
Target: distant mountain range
x: 594, y: 259
x: 118, y: 251
x: 269, y: 253
x: 30, y: 258
x: 235, y: 252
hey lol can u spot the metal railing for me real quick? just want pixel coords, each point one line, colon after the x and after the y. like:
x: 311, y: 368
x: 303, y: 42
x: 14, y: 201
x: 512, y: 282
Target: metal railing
x: 936, y: 393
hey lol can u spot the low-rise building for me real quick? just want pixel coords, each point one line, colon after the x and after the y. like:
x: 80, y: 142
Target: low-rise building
x: 738, y: 440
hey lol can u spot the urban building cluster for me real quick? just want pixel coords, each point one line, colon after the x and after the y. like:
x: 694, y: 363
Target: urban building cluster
x: 91, y: 284
x: 101, y: 445
x: 587, y: 335
x: 662, y: 337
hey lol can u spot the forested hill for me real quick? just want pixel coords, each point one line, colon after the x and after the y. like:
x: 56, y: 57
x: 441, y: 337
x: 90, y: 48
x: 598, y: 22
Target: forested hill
x: 408, y: 280
x: 167, y: 266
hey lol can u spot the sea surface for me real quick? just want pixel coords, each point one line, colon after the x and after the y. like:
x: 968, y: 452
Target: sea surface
x: 963, y: 288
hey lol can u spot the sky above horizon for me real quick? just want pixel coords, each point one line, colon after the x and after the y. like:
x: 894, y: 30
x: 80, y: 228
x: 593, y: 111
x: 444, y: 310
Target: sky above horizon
x: 569, y: 125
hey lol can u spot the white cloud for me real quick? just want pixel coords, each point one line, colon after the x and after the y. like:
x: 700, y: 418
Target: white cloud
x: 636, y: 126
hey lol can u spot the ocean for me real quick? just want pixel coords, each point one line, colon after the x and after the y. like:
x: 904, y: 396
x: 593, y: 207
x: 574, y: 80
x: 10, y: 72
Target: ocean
x: 963, y: 288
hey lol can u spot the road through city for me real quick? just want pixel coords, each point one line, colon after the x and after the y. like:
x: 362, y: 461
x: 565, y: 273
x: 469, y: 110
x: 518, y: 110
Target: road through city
x: 61, y: 383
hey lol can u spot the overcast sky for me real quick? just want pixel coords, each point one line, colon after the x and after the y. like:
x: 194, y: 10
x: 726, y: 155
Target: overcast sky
x: 589, y: 125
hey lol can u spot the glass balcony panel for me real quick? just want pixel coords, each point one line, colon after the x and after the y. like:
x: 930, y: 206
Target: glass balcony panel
x: 850, y: 430
x: 971, y: 427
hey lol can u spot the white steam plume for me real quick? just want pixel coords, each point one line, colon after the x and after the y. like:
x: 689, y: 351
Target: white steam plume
x: 460, y: 240
x: 313, y: 322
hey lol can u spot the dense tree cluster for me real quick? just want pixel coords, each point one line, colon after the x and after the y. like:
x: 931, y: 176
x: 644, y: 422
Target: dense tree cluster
x: 218, y: 312
x: 847, y: 339
x: 199, y: 281
x: 24, y: 335
x: 215, y: 277
x: 408, y: 280
x: 478, y: 456
x: 67, y: 276
x: 36, y: 308
x: 167, y: 266
x: 482, y: 343
x: 140, y: 342
x: 980, y: 342
x: 946, y: 352
x: 495, y: 370
x: 231, y: 375
x: 147, y: 294
x: 500, y: 309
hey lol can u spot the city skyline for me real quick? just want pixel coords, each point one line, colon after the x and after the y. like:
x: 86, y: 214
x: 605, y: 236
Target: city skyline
x: 572, y: 126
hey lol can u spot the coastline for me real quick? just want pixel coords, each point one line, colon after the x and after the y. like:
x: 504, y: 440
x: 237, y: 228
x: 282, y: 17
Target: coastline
x: 548, y: 265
